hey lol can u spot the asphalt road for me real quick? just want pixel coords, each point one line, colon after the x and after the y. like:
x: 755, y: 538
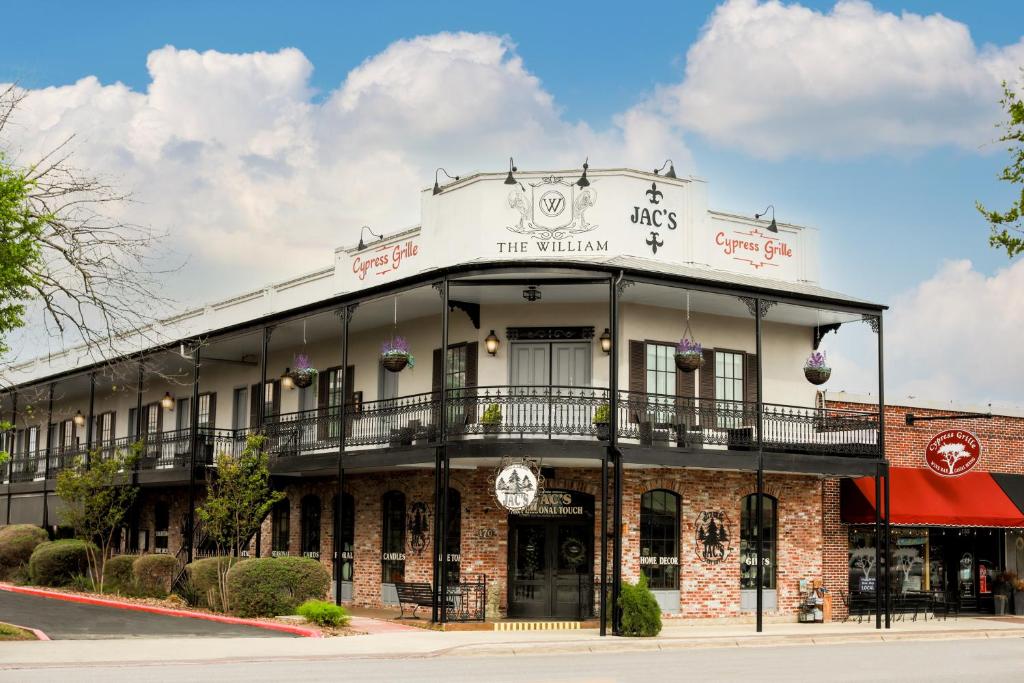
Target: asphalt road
x: 933, y: 661
x: 62, y: 620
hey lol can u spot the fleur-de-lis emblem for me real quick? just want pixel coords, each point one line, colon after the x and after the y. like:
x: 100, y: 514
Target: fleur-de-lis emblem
x: 655, y: 194
x: 654, y: 242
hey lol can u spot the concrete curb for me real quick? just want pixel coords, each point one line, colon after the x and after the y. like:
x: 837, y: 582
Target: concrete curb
x: 164, y: 611
x: 34, y: 631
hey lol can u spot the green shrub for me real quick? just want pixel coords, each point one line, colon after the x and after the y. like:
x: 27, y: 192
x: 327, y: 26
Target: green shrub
x: 269, y: 586
x: 641, y: 615
x: 56, y: 563
x: 323, y: 613
x: 17, y: 542
x: 118, y: 575
x: 202, y: 575
x: 154, y: 574
x: 81, y: 583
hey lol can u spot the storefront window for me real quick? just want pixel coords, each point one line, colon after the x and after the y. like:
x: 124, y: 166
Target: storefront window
x: 348, y: 535
x: 280, y: 528
x: 310, y: 521
x: 862, y: 560
x: 162, y: 526
x: 748, y: 542
x: 659, y: 539
x: 910, y: 560
x: 392, y: 559
x: 916, y: 562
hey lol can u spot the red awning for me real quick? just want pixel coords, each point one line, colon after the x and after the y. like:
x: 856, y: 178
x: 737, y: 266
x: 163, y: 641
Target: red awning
x: 920, y: 497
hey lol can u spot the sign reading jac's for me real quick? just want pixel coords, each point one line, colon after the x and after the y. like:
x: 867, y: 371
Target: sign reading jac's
x: 952, y: 452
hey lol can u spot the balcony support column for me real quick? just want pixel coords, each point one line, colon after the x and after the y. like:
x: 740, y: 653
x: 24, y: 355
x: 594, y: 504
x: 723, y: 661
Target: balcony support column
x: 192, y: 460
x: 878, y: 546
x: 888, y: 551
x: 12, y: 447
x: 438, y: 611
x: 759, y: 509
x: 616, y: 460
x: 881, y: 448
x: 345, y: 314
x: 91, y: 419
x: 46, y: 456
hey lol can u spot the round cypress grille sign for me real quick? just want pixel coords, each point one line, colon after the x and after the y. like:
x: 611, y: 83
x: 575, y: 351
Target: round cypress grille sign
x: 952, y: 452
x: 516, y: 487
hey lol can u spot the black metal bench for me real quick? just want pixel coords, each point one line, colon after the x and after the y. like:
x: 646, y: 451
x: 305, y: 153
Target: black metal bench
x: 414, y: 594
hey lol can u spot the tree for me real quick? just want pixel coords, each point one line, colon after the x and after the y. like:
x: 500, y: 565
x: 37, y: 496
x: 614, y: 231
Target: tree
x: 98, y: 495
x: 238, y: 499
x: 65, y: 262
x: 1008, y: 226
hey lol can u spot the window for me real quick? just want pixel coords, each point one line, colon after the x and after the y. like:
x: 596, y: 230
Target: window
x: 183, y: 419
x: 748, y: 542
x: 347, y: 535
x: 161, y: 526
x: 206, y: 417
x: 104, y: 428
x: 310, y: 526
x: 270, y: 398
x: 335, y: 395
x: 280, y: 528
x: 392, y: 559
x: 453, y: 539
x: 729, y: 388
x: 661, y: 379
x: 659, y: 539
x: 240, y: 406
x: 151, y: 419
x: 455, y: 377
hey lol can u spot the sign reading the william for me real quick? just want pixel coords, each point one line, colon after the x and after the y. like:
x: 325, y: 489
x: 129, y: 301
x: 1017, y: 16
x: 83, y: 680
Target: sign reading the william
x: 713, y: 539
x: 551, y: 213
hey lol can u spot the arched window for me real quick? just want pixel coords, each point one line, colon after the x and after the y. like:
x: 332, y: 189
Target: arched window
x: 392, y: 557
x: 659, y: 539
x: 280, y: 527
x: 310, y: 526
x: 454, y: 535
x: 748, y: 542
x: 347, y: 537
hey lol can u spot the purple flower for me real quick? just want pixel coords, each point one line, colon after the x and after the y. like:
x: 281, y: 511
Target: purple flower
x: 301, y: 363
x: 395, y: 345
x: 687, y: 346
x: 816, y: 360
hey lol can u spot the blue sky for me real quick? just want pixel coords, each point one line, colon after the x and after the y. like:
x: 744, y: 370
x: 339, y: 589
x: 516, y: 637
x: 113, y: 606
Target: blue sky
x: 891, y: 213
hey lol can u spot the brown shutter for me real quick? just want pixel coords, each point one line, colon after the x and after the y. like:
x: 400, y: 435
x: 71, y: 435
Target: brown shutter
x: 276, y: 401
x: 436, y: 380
x: 750, y: 387
x: 323, y: 381
x: 706, y: 407
x: 472, y: 354
x: 686, y: 387
x: 159, y: 417
x: 255, y: 396
x: 113, y: 424
x: 350, y: 390
x: 637, y: 399
x: 212, y: 422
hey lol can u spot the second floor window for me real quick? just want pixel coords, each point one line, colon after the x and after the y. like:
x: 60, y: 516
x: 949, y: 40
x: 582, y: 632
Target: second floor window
x: 729, y: 388
x: 104, y: 428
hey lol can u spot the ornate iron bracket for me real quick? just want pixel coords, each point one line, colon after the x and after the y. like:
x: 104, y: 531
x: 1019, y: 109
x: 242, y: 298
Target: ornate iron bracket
x: 821, y: 330
x: 470, y: 309
x: 750, y: 302
x: 346, y: 313
x: 439, y: 288
x: 872, y: 321
x: 621, y: 287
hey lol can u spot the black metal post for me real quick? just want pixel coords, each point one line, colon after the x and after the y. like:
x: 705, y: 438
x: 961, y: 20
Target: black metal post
x: 193, y: 420
x: 888, y: 550
x: 437, y: 537
x: 613, y: 448
x: 339, y: 512
x: 440, y: 598
x: 445, y: 483
x: 46, y: 465
x: 138, y: 403
x: 879, y: 587
x: 91, y: 418
x: 603, y: 612
x: 881, y: 445
x: 760, y: 465
x: 261, y: 400
x: 13, y: 447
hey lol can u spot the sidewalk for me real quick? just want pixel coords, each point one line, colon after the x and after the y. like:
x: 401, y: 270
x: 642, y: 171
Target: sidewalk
x: 414, y: 642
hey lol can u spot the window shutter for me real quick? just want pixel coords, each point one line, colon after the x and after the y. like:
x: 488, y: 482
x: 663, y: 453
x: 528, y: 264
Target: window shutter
x: 750, y: 388
x: 437, y: 380
x: 472, y: 351
x: 133, y: 432
x: 159, y: 417
x: 113, y: 425
x: 686, y: 388
x: 323, y: 381
x: 276, y: 400
x: 636, y: 401
x: 212, y: 421
x: 707, y: 375
x: 350, y: 390
x: 255, y: 396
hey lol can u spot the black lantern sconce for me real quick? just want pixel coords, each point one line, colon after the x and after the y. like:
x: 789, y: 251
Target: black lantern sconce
x: 532, y: 294
x: 671, y: 169
x: 772, y: 227
x: 492, y: 343
x: 79, y: 419
x: 606, y: 340
x: 437, y: 186
x: 583, y: 182
x: 287, y: 381
x: 362, y: 245
x: 167, y: 402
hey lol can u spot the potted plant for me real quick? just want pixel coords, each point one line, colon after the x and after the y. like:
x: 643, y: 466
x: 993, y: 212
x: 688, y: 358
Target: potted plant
x: 689, y: 355
x: 816, y: 369
x: 602, y: 421
x: 395, y: 355
x: 1018, y: 597
x: 304, y: 373
x: 491, y: 419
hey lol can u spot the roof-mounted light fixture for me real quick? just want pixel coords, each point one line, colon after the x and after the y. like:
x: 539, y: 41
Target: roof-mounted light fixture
x: 362, y: 245
x: 583, y: 182
x: 772, y: 227
x: 437, y: 186
x: 531, y: 293
x: 509, y: 179
x: 671, y: 169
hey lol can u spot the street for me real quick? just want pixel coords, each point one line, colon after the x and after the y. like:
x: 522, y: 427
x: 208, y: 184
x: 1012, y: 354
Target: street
x: 1000, y: 659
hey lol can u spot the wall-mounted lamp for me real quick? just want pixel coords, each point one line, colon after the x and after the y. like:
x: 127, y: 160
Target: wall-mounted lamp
x: 491, y: 343
x: 531, y: 293
x: 362, y: 245
x: 437, y: 186
x: 509, y: 179
x: 287, y: 382
x: 167, y: 402
x: 583, y: 182
x: 671, y: 169
x: 773, y: 227
x: 79, y: 419
x: 606, y: 340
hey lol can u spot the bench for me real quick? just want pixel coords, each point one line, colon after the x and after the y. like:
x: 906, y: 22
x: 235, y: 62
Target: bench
x: 414, y: 594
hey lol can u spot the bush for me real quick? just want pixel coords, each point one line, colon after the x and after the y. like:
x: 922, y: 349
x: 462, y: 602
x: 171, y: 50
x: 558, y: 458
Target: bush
x: 119, y: 576
x: 203, y: 585
x: 56, y: 563
x: 269, y: 586
x: 323, y: 613
x: 154, y: 574
x: 641, y: 615
x: 81, y: 583
x: 17, y: 542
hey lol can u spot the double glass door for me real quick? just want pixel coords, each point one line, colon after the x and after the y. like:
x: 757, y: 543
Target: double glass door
x: 550, y: 569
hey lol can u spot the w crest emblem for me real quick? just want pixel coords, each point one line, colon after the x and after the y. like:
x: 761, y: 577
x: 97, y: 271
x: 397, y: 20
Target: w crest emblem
x: 554, y: 209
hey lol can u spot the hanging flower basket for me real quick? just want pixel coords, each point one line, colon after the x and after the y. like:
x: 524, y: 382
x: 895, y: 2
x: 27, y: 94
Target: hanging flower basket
x: 303, y: 374
x: 395, y: 355
x: 816, y: 369
x: 689, y: 355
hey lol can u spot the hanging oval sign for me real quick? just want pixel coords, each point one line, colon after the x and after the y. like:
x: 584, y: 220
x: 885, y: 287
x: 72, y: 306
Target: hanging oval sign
x: 516, y: 487
x: 952, y: 452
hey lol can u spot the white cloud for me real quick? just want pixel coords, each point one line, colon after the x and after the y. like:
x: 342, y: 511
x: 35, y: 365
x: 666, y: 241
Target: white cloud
x: 776, y: 80
x: 255, y: 177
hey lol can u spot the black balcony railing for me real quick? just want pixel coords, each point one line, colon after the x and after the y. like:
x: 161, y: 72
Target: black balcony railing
x: 504, y: 413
